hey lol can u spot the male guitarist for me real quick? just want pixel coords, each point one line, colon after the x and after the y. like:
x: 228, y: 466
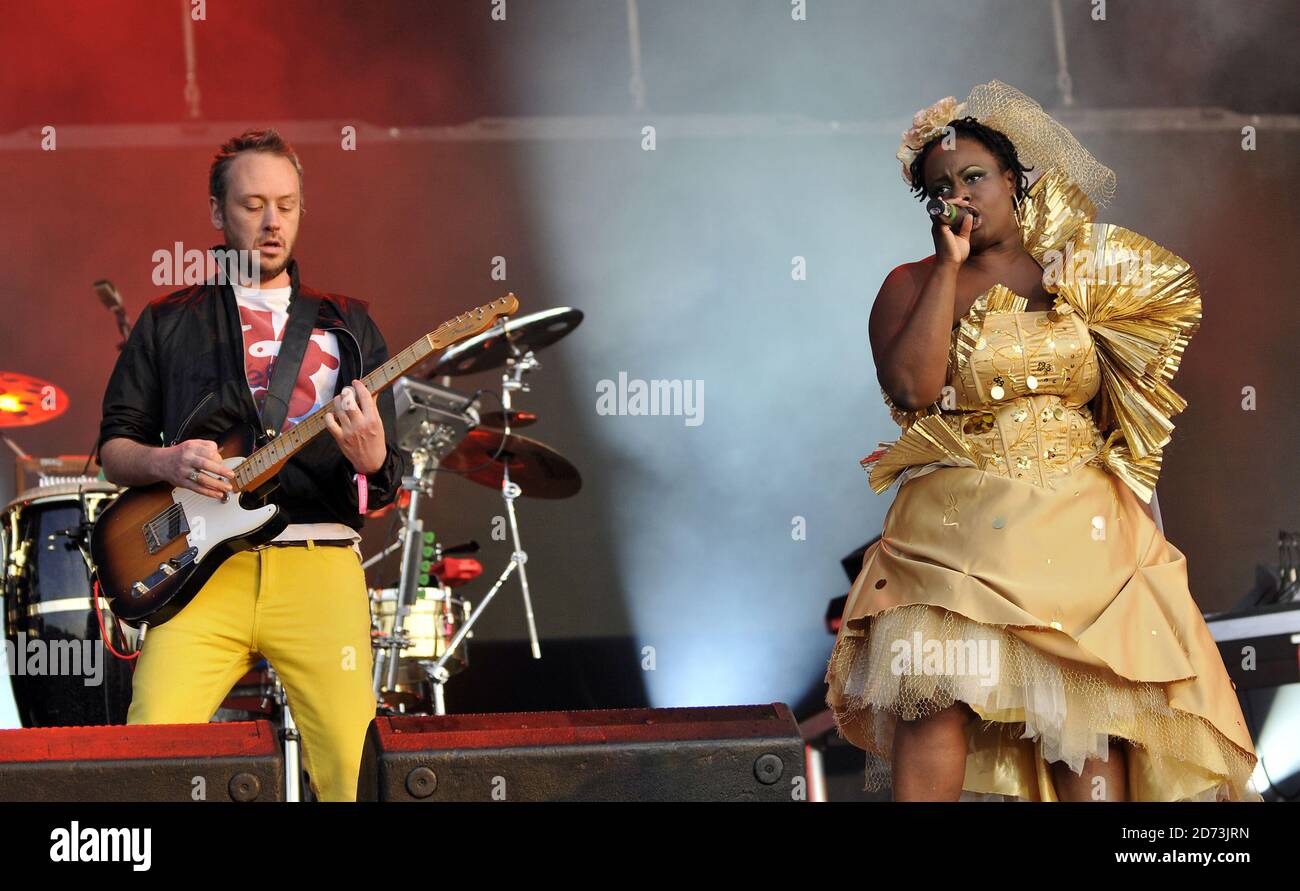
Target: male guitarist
x: 202, y: 360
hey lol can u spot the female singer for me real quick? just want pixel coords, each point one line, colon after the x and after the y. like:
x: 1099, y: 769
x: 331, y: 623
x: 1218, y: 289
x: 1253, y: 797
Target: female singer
x: 1022, y: 629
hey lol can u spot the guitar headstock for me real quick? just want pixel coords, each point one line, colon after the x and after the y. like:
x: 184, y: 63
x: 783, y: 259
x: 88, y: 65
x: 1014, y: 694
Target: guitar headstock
x: 473, y: 322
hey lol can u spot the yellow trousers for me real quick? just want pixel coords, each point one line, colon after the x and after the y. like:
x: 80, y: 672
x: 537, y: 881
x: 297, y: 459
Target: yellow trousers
x: 304, y: 609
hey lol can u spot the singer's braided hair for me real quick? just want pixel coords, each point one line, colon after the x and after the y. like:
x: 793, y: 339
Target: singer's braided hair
x: 995, y: 141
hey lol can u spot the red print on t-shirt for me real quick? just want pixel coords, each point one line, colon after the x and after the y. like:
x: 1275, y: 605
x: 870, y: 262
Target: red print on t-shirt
x: 262, y: 345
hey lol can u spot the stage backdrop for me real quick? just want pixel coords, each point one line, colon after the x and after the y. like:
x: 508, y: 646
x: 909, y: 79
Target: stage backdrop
x: 738, y: 256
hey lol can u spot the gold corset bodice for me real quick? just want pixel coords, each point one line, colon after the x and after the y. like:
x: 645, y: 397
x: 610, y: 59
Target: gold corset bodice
x: 1034, y: 395
x: 1019, y: 397
x: 1018, y: 389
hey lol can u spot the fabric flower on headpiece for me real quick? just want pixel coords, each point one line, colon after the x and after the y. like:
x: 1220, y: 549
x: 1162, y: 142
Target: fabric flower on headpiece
x: 926, y: 124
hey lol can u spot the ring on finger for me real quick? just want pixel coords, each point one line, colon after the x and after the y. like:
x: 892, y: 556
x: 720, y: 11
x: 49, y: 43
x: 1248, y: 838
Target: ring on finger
x: 194, y: 476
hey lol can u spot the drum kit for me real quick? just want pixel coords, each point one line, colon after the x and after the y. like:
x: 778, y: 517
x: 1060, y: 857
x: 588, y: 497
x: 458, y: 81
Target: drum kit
x: 419, y: 629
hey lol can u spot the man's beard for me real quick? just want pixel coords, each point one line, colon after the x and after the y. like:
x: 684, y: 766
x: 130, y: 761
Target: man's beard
x: 269, y: 272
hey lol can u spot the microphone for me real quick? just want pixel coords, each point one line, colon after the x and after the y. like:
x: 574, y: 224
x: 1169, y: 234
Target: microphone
x: 108, y: 296
x: 950, y: 215
x: 112, y: 301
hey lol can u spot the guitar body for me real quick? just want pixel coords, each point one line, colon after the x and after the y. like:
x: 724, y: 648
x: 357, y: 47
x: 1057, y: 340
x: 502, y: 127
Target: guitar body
x: 154, y: 546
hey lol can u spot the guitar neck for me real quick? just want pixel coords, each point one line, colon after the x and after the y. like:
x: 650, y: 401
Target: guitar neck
x: 259, y: 467
x: 267, y: 461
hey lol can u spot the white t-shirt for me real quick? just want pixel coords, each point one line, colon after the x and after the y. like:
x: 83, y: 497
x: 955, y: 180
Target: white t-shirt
x: 262, y: 317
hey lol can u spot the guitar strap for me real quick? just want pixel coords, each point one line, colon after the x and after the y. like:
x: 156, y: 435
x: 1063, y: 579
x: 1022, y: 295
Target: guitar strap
x: 284, y: 372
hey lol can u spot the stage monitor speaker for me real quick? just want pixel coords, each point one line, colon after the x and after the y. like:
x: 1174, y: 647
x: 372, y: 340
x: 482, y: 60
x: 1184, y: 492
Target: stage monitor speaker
x: 724, y: 753
x: 143, y: 762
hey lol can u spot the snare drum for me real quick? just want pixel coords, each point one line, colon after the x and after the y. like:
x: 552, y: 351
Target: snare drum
x: 63, y: 675
x: 433, y: 621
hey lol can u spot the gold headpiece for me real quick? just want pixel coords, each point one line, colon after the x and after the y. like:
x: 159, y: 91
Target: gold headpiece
x: 1041, y: 142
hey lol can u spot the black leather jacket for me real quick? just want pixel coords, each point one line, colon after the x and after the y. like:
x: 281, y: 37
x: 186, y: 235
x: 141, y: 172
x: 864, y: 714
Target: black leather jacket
x: 181, y: 376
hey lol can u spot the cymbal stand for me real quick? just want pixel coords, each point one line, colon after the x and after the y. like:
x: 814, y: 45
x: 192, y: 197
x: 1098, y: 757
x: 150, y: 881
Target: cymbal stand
x: 510, y: 491
x: 437, y: 671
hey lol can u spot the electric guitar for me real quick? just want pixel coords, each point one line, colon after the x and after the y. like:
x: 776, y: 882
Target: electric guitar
x: 155, y: 546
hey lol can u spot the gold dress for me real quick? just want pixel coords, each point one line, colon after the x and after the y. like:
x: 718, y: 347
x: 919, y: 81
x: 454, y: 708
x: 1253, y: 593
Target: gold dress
x: 1017, y: 571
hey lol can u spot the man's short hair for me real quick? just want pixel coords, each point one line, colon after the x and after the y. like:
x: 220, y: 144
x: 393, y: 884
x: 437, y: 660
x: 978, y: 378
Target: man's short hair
x: 268, y: 140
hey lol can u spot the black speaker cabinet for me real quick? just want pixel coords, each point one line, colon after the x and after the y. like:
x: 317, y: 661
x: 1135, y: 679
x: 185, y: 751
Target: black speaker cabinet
x: 143, y: 762
x: 725, y: 753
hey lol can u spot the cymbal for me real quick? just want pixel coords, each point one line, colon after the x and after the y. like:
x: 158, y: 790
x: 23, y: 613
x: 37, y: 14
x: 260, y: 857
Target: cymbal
x: 497, y: 419
x: 540, y: 471
x: 493, y: 347
x: 27, y: 400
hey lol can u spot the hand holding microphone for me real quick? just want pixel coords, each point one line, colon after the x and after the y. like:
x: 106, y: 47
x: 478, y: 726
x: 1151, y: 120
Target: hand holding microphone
x: 952, y: 225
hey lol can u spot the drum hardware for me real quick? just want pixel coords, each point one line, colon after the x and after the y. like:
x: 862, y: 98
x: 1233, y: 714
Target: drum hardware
x: 14, y: 447
x: 431, y: 420
x: 413, y: 541
x: 420, y: 551
x: 516, y: 419
x: 439, y: 430
x: 431, y: 417
x: 469, y: 547
x: 248, y: 699
x: 488, y: 456
x: 388, y: 549
x: 31, y: 472
x: 546, y: 473
x: 429, y: 625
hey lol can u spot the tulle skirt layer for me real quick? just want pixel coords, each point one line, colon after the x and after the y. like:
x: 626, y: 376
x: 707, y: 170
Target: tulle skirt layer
x: 1034, y: 708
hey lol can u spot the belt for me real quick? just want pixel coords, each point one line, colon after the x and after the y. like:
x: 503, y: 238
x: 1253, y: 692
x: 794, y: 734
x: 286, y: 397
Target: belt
x: 319, y: 542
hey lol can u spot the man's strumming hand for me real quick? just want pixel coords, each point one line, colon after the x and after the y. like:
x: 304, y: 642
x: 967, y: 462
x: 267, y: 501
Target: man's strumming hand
x: 357, y: 428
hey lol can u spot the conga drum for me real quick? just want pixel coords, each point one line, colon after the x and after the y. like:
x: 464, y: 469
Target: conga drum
x: 62, y: 674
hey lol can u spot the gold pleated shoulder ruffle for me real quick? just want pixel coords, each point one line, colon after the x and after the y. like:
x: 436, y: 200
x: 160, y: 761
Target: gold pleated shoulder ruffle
x: 1140, y: 302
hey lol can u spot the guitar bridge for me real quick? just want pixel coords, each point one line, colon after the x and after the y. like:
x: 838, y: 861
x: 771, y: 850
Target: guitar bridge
x: 165, y: 528
x: 166, y: 569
